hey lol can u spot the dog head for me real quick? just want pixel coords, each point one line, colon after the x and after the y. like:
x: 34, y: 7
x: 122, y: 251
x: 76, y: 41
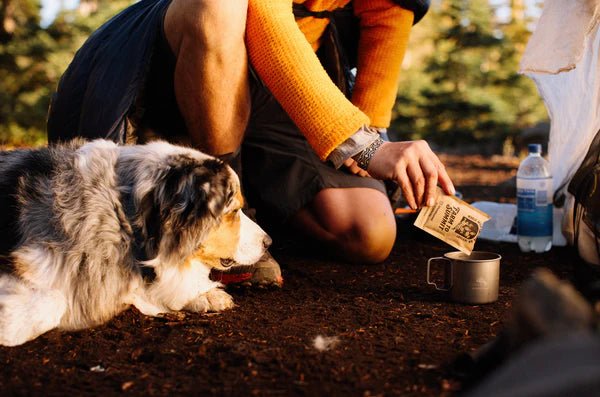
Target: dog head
x: 188, y: 203
x: 236, y: 240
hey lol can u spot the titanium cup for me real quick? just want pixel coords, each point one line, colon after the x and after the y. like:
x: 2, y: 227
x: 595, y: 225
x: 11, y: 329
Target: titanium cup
x: 471, y: 279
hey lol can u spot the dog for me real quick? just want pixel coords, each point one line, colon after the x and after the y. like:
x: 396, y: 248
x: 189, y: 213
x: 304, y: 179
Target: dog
x: 89, y: 229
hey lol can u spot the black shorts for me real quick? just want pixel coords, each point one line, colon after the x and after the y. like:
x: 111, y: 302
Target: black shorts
x: 281, y: 172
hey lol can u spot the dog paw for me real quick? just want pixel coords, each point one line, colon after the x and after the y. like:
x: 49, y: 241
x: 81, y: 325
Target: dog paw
x: 214, y: 300
x: 219, y: 300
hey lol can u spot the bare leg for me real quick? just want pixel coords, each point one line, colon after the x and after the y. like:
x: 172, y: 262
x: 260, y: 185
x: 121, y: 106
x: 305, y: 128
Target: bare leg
x: 213, y: 90
x: 357, y: 224
x: 211, y: 73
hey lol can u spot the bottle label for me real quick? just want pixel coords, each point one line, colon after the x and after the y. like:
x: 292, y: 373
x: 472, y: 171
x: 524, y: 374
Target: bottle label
x: 534, y: 204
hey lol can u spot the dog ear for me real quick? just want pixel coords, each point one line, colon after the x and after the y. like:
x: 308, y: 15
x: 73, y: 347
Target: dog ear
x: 187, y: 200
x: 195, y: 190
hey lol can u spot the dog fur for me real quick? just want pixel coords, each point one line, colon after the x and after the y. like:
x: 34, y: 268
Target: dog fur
x: 88, y: 229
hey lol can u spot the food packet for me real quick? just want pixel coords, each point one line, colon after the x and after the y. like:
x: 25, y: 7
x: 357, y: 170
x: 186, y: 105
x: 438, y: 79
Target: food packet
x: 452, y: 221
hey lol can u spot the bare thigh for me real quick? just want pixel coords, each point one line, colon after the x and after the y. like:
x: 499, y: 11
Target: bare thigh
x: 211, y: 71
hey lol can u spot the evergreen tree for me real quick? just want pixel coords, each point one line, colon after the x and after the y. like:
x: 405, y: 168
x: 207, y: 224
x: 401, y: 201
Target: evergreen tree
x: 23, y: 79
x: 466, y: 87
x: 518, y: 91
x: 32, y: 59
x: 460, y: 81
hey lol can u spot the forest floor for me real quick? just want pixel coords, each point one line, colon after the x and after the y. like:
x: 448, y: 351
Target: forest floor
x: 392, y: 334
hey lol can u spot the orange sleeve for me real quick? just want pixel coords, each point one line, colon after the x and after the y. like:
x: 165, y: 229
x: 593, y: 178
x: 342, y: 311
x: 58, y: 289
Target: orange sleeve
x: 286, y: 62
x: 385, y: 29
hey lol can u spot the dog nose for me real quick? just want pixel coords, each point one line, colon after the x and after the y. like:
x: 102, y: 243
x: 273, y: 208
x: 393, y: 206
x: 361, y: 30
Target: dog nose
x: 267, y: 241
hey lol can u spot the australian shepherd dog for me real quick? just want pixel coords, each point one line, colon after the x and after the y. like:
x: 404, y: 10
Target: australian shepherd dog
x: 88, y: 229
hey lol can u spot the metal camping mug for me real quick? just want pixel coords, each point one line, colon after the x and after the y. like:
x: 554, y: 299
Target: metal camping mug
x: 472, y: 279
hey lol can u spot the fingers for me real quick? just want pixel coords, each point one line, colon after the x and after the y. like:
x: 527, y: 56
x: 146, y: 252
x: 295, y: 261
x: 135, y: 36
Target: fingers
x: 349, y: 162
x: 416, y: 169
x: 430, y: 172
x: 445, y: 181
x: 353, y: 167
x: 417, y: 180
x: 356, y: 170
x: 425, y: 171
x: 407, y: 189
x: 422, y: 169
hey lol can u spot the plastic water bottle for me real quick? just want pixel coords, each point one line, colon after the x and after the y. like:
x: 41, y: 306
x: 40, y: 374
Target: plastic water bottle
x: 534, y: 202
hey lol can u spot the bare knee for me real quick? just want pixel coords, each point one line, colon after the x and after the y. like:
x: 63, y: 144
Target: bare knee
x: 209, y: 25
x: 367, y: 240
x: 357, y: 223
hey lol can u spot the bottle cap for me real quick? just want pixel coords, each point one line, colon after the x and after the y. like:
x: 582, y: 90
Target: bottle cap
x: 534, y: 148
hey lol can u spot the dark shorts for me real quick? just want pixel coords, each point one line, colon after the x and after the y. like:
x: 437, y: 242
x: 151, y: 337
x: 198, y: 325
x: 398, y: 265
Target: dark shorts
x: 281, y: 172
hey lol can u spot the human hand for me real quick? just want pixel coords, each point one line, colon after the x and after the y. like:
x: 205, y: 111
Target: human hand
x: 416, y: 169
x: 353, y: 167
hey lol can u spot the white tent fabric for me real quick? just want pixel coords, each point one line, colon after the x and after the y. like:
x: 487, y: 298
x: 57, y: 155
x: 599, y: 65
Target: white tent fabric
x: 563, y: 58
x: 558, y: 42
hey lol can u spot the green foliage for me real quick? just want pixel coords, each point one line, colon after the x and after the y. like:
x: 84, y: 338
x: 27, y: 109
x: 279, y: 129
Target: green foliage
x: 32, y: 59
x: 464, y: 86
x: 460, y: 85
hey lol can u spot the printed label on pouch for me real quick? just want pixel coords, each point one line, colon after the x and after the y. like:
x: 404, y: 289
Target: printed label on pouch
x: 453, y: 221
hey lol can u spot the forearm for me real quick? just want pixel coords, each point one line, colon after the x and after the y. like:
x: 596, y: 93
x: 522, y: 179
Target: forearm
x: 287, y: 64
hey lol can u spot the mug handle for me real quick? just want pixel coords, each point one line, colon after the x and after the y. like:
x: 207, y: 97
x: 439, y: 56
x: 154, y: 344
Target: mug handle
x: 428, y: 271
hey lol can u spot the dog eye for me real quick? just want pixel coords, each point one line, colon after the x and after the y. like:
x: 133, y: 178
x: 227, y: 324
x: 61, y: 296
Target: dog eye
x: 233, y: 211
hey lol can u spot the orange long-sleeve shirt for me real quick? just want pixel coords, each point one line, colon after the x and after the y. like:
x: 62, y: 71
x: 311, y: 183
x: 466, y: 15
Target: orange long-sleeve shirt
x: 283, y: 54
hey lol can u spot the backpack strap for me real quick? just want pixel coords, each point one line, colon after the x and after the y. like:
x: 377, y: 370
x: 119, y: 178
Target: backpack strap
x: 585, y: 188
x: 300, y: 11
x: 418, y: 7
x: 591, y: 159
x: 338, y: 52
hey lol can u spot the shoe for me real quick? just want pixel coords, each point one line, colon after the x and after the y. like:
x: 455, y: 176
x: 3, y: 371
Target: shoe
x: 265, y: 273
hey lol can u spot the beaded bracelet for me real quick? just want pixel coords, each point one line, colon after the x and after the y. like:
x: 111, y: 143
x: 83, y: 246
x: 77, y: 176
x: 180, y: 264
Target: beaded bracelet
x: 364, y: 157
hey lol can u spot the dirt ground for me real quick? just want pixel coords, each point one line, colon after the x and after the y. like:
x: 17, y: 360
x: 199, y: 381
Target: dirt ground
x: 395, y: 335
